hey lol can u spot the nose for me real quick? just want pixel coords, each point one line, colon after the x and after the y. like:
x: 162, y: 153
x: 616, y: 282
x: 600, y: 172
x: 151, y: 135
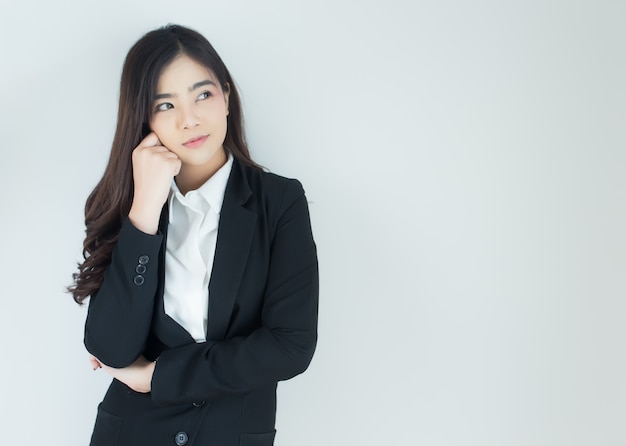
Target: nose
x: 188, y: 118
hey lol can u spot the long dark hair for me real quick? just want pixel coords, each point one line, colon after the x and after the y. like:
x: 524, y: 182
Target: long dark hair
x: 109, y: 203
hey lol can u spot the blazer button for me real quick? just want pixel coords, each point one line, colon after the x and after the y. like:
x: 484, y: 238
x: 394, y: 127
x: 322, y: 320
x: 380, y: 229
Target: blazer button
x: 141, y: 269
x: 181, y: 438
x: 144, y: 259
x: 200, y: 404
x: 139, y: 280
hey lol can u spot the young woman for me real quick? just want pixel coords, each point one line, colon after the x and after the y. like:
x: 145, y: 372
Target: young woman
x: 200, y: 268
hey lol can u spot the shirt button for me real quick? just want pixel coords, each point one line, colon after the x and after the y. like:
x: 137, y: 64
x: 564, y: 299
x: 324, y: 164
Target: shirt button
x: 181, y: 438
x: 144, y: 259
x: 139, y: 280
x: 141, y: 269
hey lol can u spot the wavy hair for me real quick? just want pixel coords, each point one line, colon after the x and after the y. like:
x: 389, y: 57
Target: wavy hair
x: 109, y: 203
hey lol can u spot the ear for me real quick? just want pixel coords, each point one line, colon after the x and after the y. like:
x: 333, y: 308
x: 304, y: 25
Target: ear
x: 226, y: 91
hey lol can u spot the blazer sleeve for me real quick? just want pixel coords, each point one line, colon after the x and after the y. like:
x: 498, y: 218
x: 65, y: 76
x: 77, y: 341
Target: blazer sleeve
x: 120, y: 313
x: 280, y: 348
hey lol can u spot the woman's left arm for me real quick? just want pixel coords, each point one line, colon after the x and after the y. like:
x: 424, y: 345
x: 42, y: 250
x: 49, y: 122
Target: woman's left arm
x: 284, y: 344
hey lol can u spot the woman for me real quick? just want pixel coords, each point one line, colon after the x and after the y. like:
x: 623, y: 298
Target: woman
x: 200, y: 267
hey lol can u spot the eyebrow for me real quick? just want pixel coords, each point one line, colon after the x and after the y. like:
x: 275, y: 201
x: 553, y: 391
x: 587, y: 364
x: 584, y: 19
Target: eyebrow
x: 192, y: 88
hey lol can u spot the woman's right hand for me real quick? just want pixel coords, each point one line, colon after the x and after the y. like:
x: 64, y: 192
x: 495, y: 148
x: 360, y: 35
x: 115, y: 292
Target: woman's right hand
x: 154, y: 167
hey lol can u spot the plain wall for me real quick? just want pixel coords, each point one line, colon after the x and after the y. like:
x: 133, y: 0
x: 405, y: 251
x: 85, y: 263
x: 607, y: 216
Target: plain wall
x: 465, y: 166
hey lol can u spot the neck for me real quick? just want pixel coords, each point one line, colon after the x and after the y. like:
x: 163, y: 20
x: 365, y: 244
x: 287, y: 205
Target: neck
x: 192, y: 177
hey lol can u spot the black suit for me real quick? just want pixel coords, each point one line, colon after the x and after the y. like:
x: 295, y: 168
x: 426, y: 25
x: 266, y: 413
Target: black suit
x: 262, y: 324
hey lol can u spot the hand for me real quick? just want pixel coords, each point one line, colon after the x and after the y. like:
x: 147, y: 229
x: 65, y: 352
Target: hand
x: 154, y: 167
x: 137, y: 376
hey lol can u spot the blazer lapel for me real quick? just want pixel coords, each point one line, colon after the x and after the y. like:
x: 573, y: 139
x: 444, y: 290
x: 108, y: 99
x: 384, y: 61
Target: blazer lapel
x: 234, y: 237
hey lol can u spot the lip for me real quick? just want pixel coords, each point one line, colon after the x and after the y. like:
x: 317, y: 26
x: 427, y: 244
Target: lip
x: 196, y: 141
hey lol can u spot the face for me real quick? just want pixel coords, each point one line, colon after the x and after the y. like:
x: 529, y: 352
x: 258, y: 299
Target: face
x: 190, y: 115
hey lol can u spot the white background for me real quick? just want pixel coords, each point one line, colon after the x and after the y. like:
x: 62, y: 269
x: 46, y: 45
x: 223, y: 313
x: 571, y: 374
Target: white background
x: 465, y: 164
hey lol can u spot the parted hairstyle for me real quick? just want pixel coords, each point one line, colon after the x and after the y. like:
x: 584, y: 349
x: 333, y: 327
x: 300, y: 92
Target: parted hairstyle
x: 109, y: 203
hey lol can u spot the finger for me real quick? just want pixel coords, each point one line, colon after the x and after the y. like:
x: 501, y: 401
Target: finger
x: 150, y: 140
x: 177, y: 167
x: 167, y: 153
x: 95, y: 364
x: 157, y: 149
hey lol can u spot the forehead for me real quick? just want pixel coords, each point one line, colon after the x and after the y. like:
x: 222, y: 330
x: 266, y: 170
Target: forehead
x: 181, y: 74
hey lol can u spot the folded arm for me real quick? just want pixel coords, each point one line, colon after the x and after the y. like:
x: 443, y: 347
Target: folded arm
x: 280, y: 348
x: 120, y: 313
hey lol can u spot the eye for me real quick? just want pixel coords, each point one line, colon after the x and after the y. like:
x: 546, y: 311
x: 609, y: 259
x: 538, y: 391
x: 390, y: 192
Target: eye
x: 204, y: 95
x: 164, y: 106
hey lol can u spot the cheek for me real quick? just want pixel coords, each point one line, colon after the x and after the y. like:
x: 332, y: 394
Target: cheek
x: 159, y: 126
x: 154, y: 125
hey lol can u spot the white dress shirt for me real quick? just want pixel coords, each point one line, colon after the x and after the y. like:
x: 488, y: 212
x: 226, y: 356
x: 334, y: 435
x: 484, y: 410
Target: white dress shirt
x: 190, y: 249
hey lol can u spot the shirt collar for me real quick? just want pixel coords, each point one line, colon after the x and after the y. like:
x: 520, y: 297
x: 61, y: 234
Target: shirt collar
x: 212, y: 190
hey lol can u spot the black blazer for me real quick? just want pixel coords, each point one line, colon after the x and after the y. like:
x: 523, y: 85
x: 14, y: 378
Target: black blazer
x: 262, y: 324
